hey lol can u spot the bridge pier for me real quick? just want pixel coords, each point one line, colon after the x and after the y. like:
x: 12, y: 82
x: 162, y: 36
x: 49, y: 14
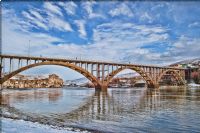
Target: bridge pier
x: 153, y: 86
x: 1, y: 87
x: 103, y: 87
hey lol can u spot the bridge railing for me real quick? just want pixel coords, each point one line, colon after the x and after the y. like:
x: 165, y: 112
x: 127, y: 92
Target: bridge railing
x: 87, y: 60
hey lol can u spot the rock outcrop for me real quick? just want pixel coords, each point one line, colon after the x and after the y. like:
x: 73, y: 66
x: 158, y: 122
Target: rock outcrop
x: 21, y: 81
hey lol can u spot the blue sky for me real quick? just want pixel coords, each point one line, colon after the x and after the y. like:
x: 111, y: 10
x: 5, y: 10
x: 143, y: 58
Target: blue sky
x: 138, y: 32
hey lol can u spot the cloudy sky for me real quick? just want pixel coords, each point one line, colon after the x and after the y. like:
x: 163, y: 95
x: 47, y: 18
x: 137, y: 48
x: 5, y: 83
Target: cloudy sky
x: 138, y: 32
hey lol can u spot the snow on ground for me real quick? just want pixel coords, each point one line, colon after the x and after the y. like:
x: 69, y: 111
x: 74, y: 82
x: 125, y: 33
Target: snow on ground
x: 21, y: 126
x: 194, y: 85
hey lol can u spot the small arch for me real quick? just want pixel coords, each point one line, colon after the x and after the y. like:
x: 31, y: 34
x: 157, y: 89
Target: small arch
x: 176, y: 75
x: 65, y: 64
x: 146, y: 77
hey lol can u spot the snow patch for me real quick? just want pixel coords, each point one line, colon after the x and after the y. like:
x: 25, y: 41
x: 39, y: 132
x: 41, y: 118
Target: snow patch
x: 16, y: 126
x: 194, y: 85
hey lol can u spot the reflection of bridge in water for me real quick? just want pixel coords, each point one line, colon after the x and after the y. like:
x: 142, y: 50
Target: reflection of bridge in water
x: 111, y: 105
x: 108, y: 105
x: 99, y: 73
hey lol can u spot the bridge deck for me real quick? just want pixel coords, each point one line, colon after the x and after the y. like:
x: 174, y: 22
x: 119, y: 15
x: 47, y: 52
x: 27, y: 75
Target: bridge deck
x: 82, y: 61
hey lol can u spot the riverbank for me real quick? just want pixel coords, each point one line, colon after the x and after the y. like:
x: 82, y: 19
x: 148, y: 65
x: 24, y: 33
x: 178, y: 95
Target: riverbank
x: 15, y: 126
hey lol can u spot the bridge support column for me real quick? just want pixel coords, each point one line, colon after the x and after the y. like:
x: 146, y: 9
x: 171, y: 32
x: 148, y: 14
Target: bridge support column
x: 154, y: 86
x: 102, y: 87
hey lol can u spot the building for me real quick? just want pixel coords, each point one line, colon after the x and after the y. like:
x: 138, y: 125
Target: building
x: 124, y: 82
x: 22, y: 81
x: 191, y: 68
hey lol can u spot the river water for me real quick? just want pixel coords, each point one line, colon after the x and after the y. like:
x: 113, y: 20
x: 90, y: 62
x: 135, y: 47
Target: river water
x: 117, y: 110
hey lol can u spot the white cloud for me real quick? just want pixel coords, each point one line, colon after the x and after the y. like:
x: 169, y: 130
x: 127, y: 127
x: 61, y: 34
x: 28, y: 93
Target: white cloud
x: 27, y: 15
x: 81, y: 26
x: 55, y: 21
x: 88, y: 7
x: 69, y: 7
x: 194, y: 24
x: 34, y: 20
x: 19, y: 42
x: 128, y: 32
x: 182, y: 49
x: 6, y: 13
x: 59, y: 24
x: 124, y: 42
x: 37, y: 15
x: 16, y: 43
x: 116, y: 41
x: 52, y: 8
x: 146, y: 17
x: 121, y: 9
x: 185, y: 47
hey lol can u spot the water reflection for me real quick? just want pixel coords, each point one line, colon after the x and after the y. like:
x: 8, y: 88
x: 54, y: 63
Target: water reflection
x: 119, y: 109
x: 18, y: 96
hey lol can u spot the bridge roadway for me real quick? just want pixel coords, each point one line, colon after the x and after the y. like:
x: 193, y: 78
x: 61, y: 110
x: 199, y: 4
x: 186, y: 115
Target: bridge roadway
x: 100, y: 73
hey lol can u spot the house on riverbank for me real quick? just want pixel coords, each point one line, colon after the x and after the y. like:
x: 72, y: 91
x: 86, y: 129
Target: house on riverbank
x: 22, y: 81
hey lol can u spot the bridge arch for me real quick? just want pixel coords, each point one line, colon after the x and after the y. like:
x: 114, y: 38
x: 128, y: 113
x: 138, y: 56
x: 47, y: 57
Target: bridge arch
x: 175, y: 74
x: 80, y: 70
x: 145, y: 76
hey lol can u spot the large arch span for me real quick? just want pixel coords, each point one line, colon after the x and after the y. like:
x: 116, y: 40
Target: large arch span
x: 151, y: 83
x: 65, y: 64
x: 174, y: 73
x: 143, y: 74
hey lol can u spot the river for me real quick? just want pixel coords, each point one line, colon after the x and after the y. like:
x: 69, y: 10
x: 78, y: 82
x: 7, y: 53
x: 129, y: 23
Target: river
x: 126, y: 110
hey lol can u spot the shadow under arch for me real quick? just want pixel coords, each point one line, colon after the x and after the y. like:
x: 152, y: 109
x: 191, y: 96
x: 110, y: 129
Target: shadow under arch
x: 65, y: 64
x: 147, y: 78
x: 175, y: 74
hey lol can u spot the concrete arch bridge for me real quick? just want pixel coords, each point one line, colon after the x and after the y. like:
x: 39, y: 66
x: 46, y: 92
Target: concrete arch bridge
x: 98, y: 72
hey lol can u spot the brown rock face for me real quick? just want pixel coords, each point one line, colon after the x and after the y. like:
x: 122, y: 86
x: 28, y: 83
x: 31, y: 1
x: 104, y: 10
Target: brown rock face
x: 53, y: 81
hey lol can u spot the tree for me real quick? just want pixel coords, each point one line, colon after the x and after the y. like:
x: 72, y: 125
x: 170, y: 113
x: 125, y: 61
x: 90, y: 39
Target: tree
x: 195, y: 77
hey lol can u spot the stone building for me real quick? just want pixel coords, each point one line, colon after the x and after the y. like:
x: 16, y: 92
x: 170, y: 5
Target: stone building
x: 55, y: 81
x: 21, y: 81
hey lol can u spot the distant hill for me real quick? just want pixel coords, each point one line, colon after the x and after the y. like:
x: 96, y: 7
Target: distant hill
x: 81, y: 81
x: 128, y: 75
x: 78, y: 81
x: 189, y: 61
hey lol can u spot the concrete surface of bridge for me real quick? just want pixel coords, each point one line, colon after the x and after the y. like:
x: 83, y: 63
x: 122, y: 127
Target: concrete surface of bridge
x: 98, y: 72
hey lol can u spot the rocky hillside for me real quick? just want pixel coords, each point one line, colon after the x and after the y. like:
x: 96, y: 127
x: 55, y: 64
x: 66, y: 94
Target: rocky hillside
x: 189, y: 61
x: 84, y: 80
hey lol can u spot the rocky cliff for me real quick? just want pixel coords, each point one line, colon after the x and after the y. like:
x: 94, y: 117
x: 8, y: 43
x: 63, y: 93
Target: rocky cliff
x: 21, y: 81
